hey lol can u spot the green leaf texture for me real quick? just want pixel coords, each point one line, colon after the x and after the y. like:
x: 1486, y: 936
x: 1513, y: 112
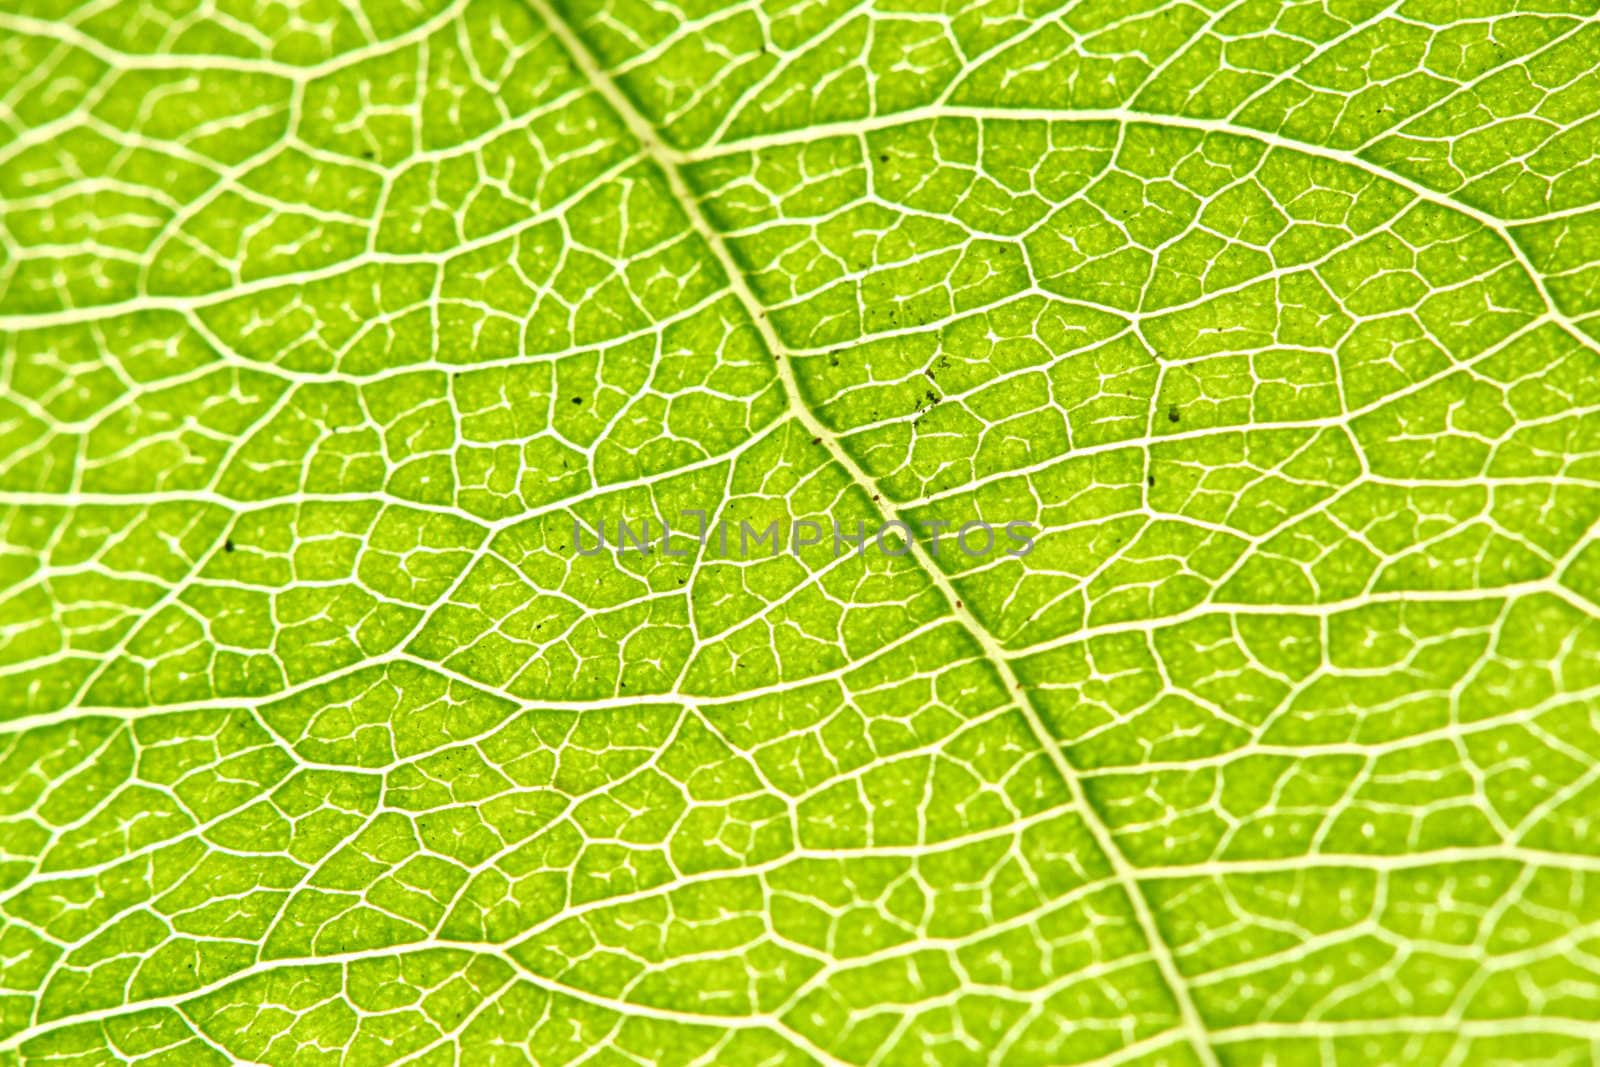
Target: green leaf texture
x: 321, y: 320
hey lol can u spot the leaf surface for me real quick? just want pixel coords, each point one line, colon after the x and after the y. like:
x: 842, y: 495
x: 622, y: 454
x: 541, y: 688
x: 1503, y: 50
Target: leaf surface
x: 322, y: 324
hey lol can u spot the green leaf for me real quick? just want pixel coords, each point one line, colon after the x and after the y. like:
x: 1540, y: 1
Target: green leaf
x: 326, y: 327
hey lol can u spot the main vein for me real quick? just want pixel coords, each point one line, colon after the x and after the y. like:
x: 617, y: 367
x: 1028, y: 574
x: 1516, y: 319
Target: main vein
x: 667, y: 162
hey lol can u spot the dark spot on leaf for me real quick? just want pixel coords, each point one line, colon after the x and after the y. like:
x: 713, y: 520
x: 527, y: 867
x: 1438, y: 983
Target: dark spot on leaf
x: 227, y: 546
x: 577, y: 400
x: 1172, y: 414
